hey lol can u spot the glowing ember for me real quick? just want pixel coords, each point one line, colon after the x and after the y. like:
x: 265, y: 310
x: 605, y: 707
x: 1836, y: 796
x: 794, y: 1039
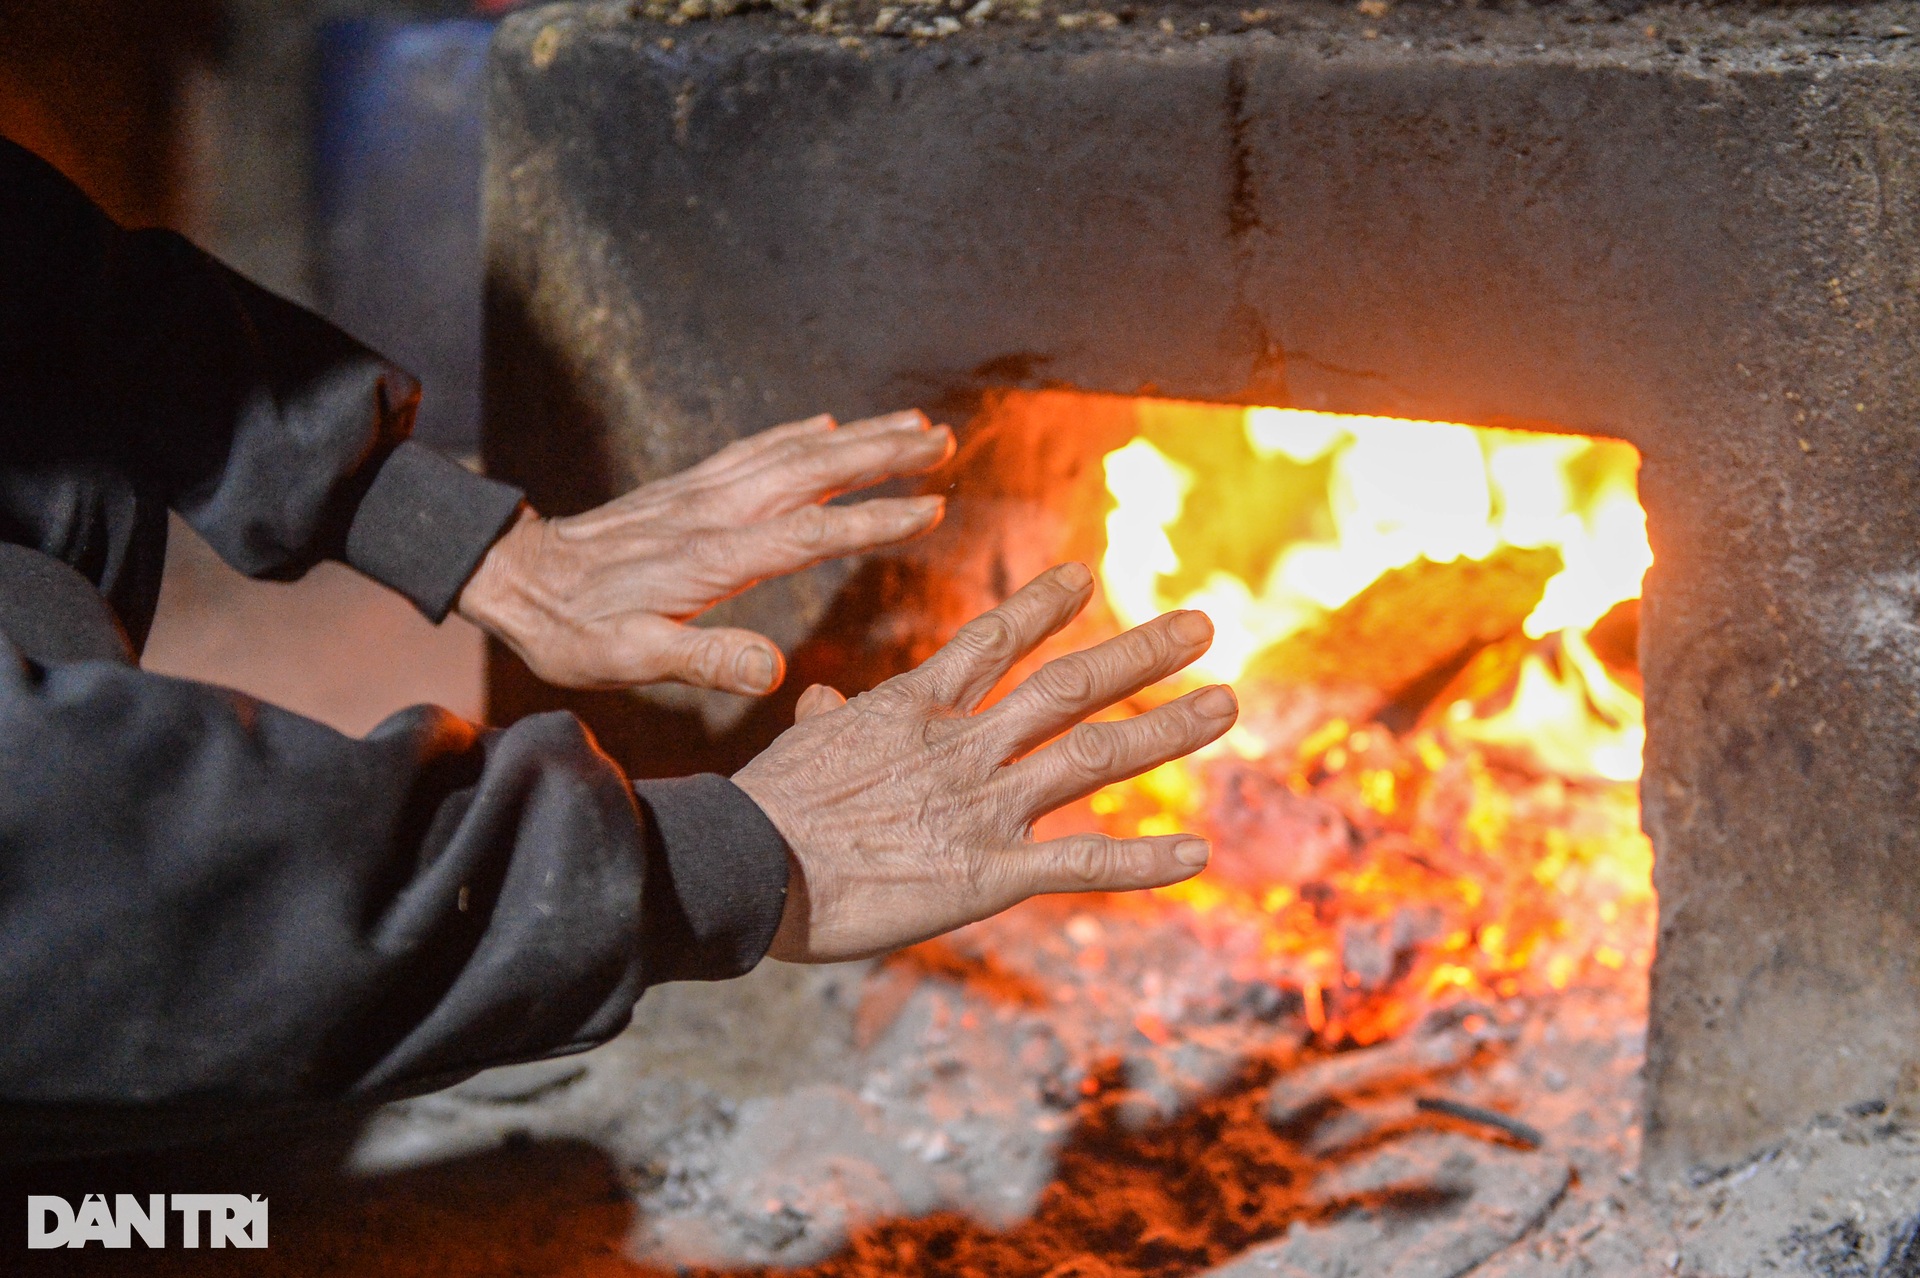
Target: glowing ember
x: 1488, y: 843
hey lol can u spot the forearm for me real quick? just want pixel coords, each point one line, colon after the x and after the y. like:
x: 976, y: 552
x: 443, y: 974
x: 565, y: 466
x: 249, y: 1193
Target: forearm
x: 276, y: 435
x: 210, y: 898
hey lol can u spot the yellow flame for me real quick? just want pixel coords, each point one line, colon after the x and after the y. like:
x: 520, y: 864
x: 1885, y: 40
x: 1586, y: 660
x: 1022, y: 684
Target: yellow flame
x: 1580, y: 724
x: 1397, y: 492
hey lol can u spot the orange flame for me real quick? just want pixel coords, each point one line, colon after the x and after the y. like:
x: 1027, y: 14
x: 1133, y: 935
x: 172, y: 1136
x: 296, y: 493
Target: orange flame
x: 1502, y: 850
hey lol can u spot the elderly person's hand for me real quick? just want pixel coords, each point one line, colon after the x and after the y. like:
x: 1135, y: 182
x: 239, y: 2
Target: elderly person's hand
x: 598, y: 600
x: 910, y: 814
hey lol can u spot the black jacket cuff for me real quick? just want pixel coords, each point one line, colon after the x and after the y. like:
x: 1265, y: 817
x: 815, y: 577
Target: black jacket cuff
x: 425, y: 524
x: 716, y: 879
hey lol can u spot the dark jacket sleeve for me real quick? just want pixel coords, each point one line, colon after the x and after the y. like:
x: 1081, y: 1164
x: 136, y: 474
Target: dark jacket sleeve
x: 279, y: 438
x: 205, y: 900
x: 210, y: 906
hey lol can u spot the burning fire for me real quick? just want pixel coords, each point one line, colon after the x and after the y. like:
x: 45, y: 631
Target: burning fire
x: 1464, y: 824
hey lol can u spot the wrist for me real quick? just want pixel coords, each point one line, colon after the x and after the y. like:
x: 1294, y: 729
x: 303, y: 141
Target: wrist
x: 791, y: 941
x: 496, y: 598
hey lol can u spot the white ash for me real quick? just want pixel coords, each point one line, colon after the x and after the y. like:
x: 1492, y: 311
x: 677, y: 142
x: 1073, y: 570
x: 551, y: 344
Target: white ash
x: 961, y: 1099
x: 1838, y: 1198
x: 1884, y: 612
x: 758, y: 1122
x: 762, y: 1149
x: 1469, y: 1202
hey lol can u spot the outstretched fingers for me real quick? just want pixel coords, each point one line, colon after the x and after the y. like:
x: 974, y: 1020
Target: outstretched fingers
x: 738, y: 557
x: 820, y: 424
x: 906, y: 419
x: 741, y: 453
x: 812, y: 468
x: 1094, y: 755
x: 650, y: 649
x: 1096, y: 863
x: 1068, y: 689
x: 963, y: 672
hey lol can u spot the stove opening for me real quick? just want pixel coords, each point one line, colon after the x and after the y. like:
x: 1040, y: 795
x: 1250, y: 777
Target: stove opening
x: 1432, y: 794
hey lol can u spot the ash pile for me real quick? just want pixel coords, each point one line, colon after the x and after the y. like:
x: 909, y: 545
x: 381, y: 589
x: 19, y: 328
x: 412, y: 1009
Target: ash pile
x: 920, y: 1117
x: 1139, y: 1114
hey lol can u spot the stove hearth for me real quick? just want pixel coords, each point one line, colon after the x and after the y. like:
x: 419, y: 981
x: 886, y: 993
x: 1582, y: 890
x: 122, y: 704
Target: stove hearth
x: 1080, y: 233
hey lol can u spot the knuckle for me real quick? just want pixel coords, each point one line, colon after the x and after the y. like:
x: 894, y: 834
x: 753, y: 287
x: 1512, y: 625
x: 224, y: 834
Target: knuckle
x: 949, y: 740
x: 1070, y: 679
x: 812, y: 528
x: 1185, y: 725
x: 1085, y: 861
x: 636, y: 662
x: 902, y: 694
x: 706, y: 661
x: 1091, y: 751
x: 1159, y: 645
x: 988, y: 637
x: 822, y: 463
x: 713, y: 550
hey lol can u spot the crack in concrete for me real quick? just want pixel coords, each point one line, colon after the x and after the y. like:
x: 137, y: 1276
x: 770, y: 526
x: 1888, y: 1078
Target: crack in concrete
x: 1243, y: 200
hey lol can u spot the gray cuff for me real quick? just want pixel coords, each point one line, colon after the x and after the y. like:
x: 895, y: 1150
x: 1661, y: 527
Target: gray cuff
x: 425, y: 525
x: 716, y: 879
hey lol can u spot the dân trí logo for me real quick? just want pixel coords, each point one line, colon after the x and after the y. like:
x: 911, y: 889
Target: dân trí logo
x: 230, y: 1220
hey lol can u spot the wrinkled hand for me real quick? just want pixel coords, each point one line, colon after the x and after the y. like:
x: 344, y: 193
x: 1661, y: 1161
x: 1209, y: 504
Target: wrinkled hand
x: 909, y: 814
x: 597, y: 600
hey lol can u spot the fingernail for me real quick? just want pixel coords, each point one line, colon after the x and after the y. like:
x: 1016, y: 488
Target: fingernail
x: 1191, y: 852
x: 1078, y: 576
x: 1192, y: 627
x: 755, y: 668
x: 1216, y: 702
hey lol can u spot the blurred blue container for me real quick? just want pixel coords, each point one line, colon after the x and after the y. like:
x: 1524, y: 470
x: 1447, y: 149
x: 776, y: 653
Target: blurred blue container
x: 397, y: 187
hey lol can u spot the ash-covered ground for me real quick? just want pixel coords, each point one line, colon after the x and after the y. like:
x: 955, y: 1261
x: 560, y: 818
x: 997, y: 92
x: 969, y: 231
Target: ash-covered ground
x: 1116, y: 1102
x: 801, y: 1114
x: 1140, y: 1115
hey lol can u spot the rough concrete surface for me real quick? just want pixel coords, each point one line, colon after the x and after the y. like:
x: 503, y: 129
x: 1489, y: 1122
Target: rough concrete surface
x: 1692, y: 228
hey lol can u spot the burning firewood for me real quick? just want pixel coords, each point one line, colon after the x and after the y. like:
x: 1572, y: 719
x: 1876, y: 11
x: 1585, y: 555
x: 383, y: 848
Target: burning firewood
x: 1615, y: 639
x: 1361, y: 1124
x: 1413, y: 625
x: 1296, y: 1095
x: 1521, y: 1133
x: 1266, y: 834
x: 1431, y: 1206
